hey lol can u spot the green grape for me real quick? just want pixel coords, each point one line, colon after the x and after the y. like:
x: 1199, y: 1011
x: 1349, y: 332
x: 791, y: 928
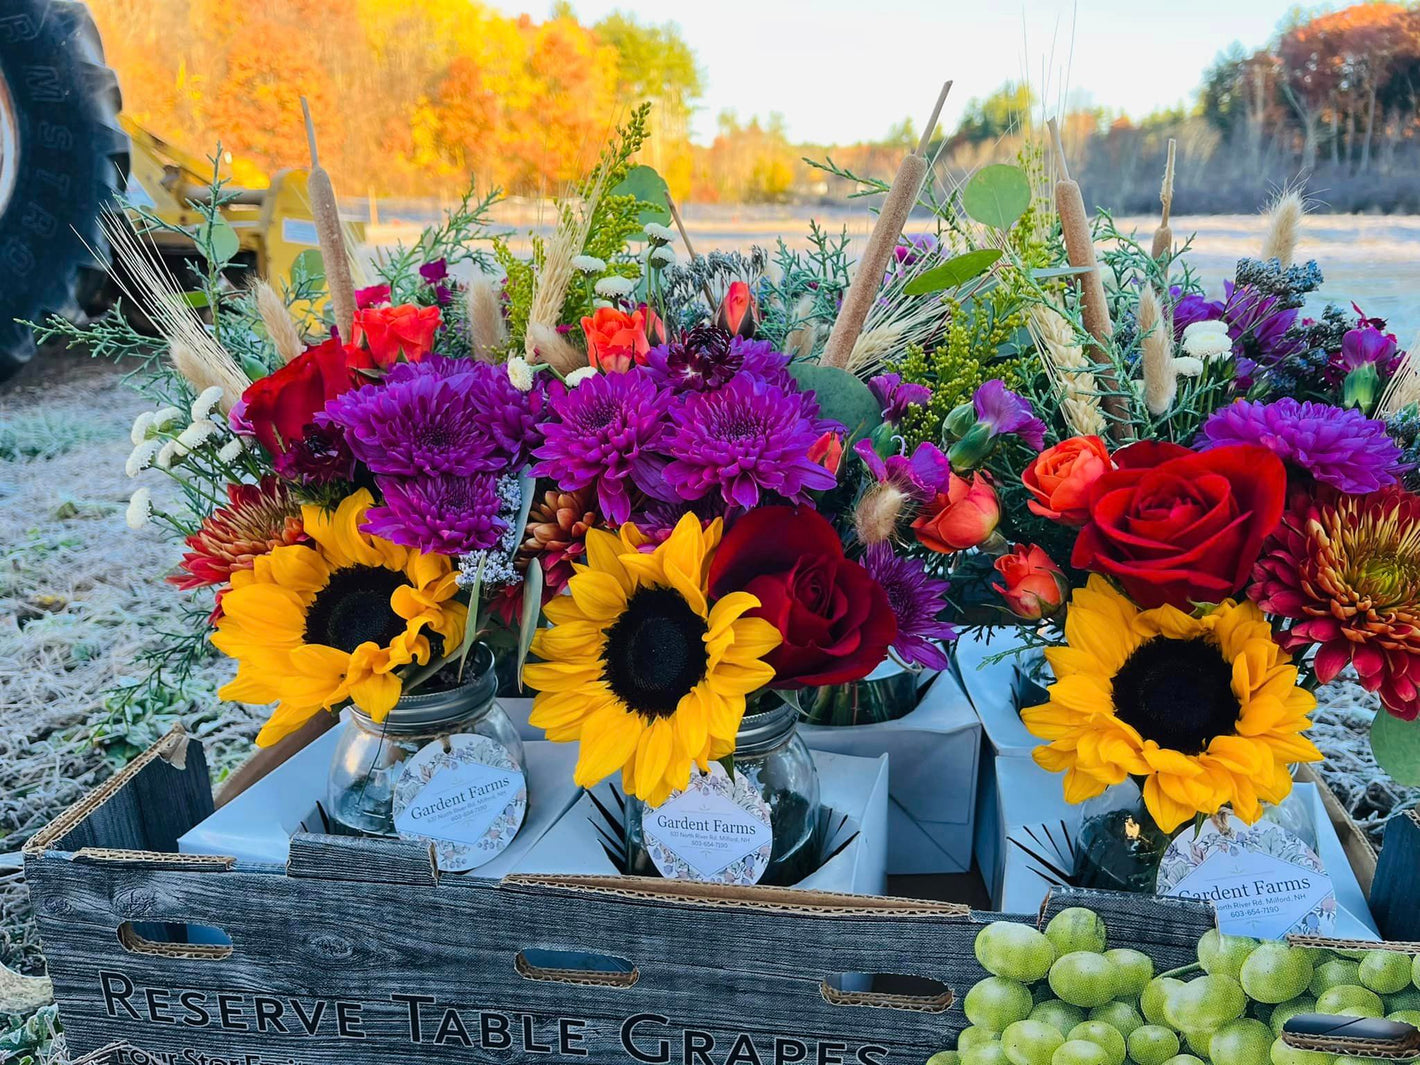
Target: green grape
x: 1282, y: 1054
x: 1154, y: 999
x: 1083, y: 978
x: 1287, y: 1010
x: 1205, y: 1003
x: 1030, y: 1042
x: 945, y: 1057
x: 1224, y: 954
x: 1197, y: 1041
x: 1385, y: 971
x: 1104, y: 1035
x: 996, y: 1002
x: 1334, y: 973
x: 1060, y: 1014
x: 1076, y: 929
x: 1336, y: 999
x: 1152, y: 1044
x: 1184, y: 1059
x: 1241, y: 1042
x: 1015, y: 951
x: 1410, y: 1017
x: 1079, y: 1052
x: 1121, y: 1015
x: 1275, y: 972
x: 975, y: 1036
x: 985, y: 1054
x: 1134, y: 968
x: 1409, y: 999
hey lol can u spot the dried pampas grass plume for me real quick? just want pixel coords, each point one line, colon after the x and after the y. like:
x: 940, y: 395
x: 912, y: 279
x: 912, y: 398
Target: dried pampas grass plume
x: 144, y: 280
x: 546, y: 344
x: 277, y: 320
x: 1064, y: 359
x: 877, y: 512
x: 1156, y: 354
x: 1284, y: 222
x: 487, y: 332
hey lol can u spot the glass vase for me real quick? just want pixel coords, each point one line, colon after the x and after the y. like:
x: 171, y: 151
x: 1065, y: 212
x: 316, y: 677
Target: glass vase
x: 886, y: 694
x: 773, y: 759
x: 1120, y: 845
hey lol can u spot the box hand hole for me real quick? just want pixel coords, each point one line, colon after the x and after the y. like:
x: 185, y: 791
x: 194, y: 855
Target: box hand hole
x: 894, y: 991
x: 203, y: 943
x: 576, y: 967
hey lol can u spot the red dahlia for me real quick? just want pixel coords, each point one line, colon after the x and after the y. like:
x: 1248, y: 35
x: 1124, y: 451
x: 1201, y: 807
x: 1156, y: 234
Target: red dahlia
x: 1346, y: 568
x: 260, y: 517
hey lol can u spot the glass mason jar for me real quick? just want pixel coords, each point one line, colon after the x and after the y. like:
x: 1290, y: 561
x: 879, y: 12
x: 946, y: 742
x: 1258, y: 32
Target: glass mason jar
x: 886, y: 694
x: 370, y: 755
x: 771, y: 755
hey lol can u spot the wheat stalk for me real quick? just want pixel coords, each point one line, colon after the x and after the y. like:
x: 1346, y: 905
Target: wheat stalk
x: 1069, y: 369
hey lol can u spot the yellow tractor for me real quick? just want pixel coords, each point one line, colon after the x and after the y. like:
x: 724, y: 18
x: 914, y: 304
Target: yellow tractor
x: 67, y: 154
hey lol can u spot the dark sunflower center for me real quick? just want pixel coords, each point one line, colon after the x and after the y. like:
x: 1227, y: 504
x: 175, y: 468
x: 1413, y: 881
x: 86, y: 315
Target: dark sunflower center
x: 655, y: 653
x: 1178, y: 693
x: 354, y: 608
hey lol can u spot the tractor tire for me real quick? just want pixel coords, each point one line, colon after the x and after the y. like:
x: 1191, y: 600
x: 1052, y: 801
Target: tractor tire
x: 63, y: 159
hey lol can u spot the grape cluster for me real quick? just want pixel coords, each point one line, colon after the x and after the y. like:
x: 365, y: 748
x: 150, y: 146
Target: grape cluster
x: 1060, y: 997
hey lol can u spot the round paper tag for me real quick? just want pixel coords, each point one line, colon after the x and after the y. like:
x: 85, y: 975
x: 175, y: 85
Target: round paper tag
x: 716, y: 830
x: 469, y: 800
x: 1263, y: 880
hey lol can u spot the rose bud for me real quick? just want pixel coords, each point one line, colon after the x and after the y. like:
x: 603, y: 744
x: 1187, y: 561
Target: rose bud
x: 962, y: 517
x: 827, y: 451
x: 738, y: 314
x: 1035, y: 586
x: 1060, y: 478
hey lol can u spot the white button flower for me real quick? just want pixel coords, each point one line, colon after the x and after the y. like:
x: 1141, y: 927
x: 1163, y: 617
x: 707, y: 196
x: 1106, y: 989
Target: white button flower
x: 1207, y: 344
x: 197, y: 434
x: 202, y: 406
x: 582, y: 373
x: 588, y: 264
x: 142, y: 457
x: 520, y: 373
x: 141, y: 425
x: 614, y: 287
x: 656, y: 231
x: 140, y: 509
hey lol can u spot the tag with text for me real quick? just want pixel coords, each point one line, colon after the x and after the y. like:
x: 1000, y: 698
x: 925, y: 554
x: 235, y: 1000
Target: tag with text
x: 718, y: 830
x: 469, y: 800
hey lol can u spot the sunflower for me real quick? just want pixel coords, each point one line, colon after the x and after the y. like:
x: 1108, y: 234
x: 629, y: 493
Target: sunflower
x: 1205, y: 709
x: 313, y: 626
x: 638, y: 665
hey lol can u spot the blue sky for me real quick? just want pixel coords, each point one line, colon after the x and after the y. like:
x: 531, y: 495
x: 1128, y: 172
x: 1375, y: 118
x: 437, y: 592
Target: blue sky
x: 846, y: 70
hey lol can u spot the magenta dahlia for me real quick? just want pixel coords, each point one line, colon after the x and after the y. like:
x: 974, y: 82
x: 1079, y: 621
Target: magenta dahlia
x: 444, y: 514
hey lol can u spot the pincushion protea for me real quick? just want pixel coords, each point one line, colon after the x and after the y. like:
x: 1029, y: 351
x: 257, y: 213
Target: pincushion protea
x: 259, y: 517
x: 1346, y: 569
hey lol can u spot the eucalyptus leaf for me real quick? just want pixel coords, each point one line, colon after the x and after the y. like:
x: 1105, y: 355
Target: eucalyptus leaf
x: 309, y: 265
x: 956, y: 271
x: 532, y: 608
x: 841, y: 396
x: 1050, y: 273
x: 728, y: 762
x: 470, y: 627
x: 223, y: 242
x: 1396, y: 745
x: 651, y: 189
x: 197, y: 300
x: 997, y: 195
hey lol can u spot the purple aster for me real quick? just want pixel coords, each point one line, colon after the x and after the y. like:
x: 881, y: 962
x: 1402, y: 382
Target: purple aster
x: 446, y: 514
x: 923, y: 476
x: 1259, y: 325
x: 708, y: 357
x: 1337, y: 446
x: 1003, y: 412
x: 606, y: 432
x: 659, y: 517
x: 746, y: 438
x: 437, y: 416
x: 896, y: 396
x: 916, y: 601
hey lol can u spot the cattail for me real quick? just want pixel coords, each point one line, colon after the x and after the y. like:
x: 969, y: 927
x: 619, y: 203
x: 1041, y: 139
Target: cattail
x: 546, y: 344
x: 277, y: 319
x: 1094, y: 307
x: 1284, y: 220
x: 872, y: 264
x: 1163, y: 236
x: 487, y: 332
x: 875, y: 517
x: 1156, y: 355
x: 1064, y: 358
x: 331, y: 234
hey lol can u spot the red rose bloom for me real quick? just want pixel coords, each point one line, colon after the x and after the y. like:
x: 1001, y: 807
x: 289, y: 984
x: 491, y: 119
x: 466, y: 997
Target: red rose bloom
x: 392, y: 332
x: 835, y: 619
x: 280, y: 407
x: 1175, y: 526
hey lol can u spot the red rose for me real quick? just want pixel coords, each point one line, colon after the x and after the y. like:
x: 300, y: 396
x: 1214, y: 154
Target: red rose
x: 392, y: 332
x: 278, y: 408
x: 1175, y: 526
x: 835, y: 619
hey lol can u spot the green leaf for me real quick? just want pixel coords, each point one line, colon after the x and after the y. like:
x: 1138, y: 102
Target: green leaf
x: 957, y: 270
x: 1396, y: 745
x: 470, y: 628
x: 309, y: 265
x: 729, y: 764
x: 198, y: 300
x: 841, y: 396
x: 532, y: 609
x: 223, y: 242
x: 651, y: 189
x: 997, y: 195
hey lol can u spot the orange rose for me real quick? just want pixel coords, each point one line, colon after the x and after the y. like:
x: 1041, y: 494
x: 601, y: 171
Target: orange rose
x: 391, y: 332
x: 827, y: 451
x: 617, y: 340
x: 1060, y: 478
x: 1035, y: 586
x: 961, y: 517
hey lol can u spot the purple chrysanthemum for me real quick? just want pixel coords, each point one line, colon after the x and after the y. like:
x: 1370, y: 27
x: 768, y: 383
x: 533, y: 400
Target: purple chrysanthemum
x: 606, y: 432
x: 445, y: 514
x: 745, y: 439
x: 897, y: 396
x: 437, y: 416
x: 708, y: 357
x: 1004, y: 412
x: 1337, y: 446
x: 916, y: 601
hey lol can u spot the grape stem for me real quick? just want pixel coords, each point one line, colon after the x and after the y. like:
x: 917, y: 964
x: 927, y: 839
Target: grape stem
x: 1183, y: 970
